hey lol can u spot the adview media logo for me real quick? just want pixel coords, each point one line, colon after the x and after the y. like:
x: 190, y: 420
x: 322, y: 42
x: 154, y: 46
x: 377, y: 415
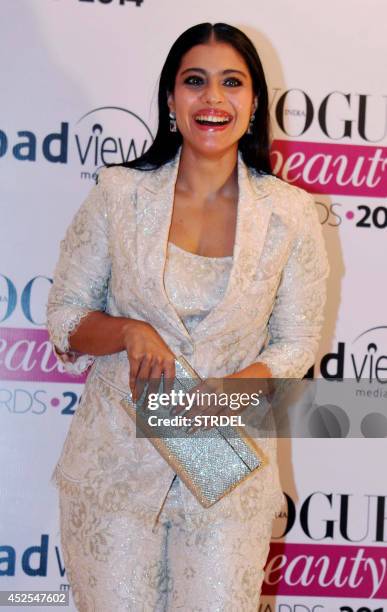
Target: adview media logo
x: 107, y: 134
x: 33, y: 560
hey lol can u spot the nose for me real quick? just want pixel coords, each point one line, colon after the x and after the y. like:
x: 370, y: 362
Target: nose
x: 212, y: 94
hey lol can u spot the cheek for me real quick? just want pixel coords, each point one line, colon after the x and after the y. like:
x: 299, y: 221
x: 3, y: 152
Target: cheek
x: 185, y: 104
x: 244, y: 116
x: 184, y: 99
x: 242, y: 104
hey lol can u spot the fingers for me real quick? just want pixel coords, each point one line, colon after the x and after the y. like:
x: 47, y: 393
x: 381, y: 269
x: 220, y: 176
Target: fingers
x: 155, y: 378
x: 143, y: 375
x: 181, y: 407
x: 148, y: 356
x: 169, y: 374
x: 148, y: 368
x: 135, y: 363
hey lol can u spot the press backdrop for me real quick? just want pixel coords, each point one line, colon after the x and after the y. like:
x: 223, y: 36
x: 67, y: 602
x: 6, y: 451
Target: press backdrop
x: 77, y: 89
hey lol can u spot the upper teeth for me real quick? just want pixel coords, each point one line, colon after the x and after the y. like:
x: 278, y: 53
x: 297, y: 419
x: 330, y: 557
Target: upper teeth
x: 211, y: 118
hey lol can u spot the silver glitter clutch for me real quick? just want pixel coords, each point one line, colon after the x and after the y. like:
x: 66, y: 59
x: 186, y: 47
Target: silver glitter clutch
x: 209, y: 462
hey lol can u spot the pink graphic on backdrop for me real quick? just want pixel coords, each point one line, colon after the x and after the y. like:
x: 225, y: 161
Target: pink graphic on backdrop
x: 27, y: 354
x: 334, y: 169
x: 325, y: 570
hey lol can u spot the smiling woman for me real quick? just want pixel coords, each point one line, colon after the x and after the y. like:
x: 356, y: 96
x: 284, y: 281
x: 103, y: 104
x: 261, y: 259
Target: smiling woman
x: 193, y: 249
x: 214, y: 98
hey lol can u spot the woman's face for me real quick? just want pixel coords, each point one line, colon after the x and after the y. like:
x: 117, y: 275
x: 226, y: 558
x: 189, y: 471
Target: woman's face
x: 213, y: 98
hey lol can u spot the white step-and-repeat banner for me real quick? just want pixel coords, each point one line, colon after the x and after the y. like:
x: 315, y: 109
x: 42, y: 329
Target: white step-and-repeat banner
x: 78, y: 85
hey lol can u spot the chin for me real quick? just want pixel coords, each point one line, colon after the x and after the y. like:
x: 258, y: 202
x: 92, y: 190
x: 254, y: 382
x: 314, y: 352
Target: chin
x: 212, y: 149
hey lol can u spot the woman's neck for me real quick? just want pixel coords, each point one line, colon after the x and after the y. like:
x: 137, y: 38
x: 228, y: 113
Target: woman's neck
x: 208, y: 177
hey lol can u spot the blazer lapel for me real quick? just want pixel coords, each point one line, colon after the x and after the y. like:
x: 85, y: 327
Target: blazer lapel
x: 154, y: 207
x: 155, y: 196
x: 253, y: 217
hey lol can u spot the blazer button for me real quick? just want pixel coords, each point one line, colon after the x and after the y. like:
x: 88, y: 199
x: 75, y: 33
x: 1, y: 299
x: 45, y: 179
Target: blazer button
x: 186, y: 348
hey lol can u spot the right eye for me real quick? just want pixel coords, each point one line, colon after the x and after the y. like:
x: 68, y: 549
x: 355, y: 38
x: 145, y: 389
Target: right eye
x: 194, y: 80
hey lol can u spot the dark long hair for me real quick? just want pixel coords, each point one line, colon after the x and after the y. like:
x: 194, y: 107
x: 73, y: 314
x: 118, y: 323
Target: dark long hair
x: 254, y: 147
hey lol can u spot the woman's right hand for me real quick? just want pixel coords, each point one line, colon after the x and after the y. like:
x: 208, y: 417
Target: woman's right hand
x: 149, y: 357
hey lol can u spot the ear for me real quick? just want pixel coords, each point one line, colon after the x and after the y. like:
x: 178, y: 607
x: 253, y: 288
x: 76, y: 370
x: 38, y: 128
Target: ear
x: 171, y: 102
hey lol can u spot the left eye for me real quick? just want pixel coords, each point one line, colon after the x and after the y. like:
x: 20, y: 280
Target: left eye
x: 232, y: 82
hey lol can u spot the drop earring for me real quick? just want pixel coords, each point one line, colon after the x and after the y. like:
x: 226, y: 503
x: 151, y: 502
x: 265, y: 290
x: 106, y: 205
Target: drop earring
x: 250, y: 128
x: 172, y: 122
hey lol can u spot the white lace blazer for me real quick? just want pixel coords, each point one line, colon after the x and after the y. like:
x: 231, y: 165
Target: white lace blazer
x: 113, y: 258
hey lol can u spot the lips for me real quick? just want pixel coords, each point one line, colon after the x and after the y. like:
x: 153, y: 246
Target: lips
x: 210, y: 117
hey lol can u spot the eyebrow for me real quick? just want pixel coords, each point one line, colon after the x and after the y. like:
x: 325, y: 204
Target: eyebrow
x: 228, y: 71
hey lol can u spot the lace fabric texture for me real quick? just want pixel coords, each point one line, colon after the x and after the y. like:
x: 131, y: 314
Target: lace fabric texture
x: 113, y: 255
x: 114, y: 561
x: 265, y: 304
x: 202, y: 283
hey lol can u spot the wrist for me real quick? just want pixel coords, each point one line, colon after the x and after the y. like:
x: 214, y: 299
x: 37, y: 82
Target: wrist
x: 256, y: 370
x: 126, y: 331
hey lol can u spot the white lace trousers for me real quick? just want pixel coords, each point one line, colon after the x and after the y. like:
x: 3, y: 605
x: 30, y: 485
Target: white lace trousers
x: 117, y: 562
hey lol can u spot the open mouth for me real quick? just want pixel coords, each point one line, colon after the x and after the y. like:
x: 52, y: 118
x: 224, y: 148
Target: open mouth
x: 212, y: 120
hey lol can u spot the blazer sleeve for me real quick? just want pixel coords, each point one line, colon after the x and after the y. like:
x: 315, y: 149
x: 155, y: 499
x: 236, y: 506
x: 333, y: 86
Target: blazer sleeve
x: 295, y: 323
x: 81, y: 275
